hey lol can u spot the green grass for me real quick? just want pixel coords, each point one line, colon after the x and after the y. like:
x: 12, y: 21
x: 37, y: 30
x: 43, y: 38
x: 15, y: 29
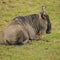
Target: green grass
x: 46, y: 49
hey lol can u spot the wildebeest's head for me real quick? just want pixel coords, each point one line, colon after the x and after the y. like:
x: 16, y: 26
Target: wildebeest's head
x: 45, y: 16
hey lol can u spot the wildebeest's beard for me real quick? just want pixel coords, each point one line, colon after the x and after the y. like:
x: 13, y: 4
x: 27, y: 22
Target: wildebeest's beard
x: 48, y: 25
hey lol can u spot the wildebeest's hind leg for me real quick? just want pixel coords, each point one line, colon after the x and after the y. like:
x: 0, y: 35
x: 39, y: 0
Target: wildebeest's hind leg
x: 23, y: 37
x: 26, y: 38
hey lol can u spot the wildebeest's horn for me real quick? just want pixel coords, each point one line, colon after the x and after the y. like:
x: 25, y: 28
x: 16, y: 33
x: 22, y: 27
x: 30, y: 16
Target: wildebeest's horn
x: 43, y: 9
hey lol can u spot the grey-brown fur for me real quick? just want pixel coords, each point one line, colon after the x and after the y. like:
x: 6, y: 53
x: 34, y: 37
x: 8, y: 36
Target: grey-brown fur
x: 26, y: 28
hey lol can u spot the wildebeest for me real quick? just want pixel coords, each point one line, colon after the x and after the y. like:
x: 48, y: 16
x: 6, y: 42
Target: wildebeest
x: 26, y: 28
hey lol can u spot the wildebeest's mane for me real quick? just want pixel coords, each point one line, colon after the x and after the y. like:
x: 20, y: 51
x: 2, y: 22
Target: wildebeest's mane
x: 35, y: 22
x: 29, y: 18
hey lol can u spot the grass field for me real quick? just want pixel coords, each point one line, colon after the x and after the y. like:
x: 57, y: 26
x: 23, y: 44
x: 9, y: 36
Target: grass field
x: 46, y: 49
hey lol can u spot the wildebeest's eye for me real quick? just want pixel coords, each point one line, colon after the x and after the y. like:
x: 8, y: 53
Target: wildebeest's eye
x: 46, y: 17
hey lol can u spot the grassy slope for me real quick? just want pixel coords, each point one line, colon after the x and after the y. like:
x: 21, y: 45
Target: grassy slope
x: 46, y: 49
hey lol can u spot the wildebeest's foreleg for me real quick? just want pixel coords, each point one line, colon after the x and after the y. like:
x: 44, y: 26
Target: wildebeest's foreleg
x: 27, y: 41
x: 26, y: 38
x: 36, y: 37
x: 42, y: 33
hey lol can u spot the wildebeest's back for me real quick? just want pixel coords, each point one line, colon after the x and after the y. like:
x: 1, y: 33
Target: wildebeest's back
x: 32, y: 20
